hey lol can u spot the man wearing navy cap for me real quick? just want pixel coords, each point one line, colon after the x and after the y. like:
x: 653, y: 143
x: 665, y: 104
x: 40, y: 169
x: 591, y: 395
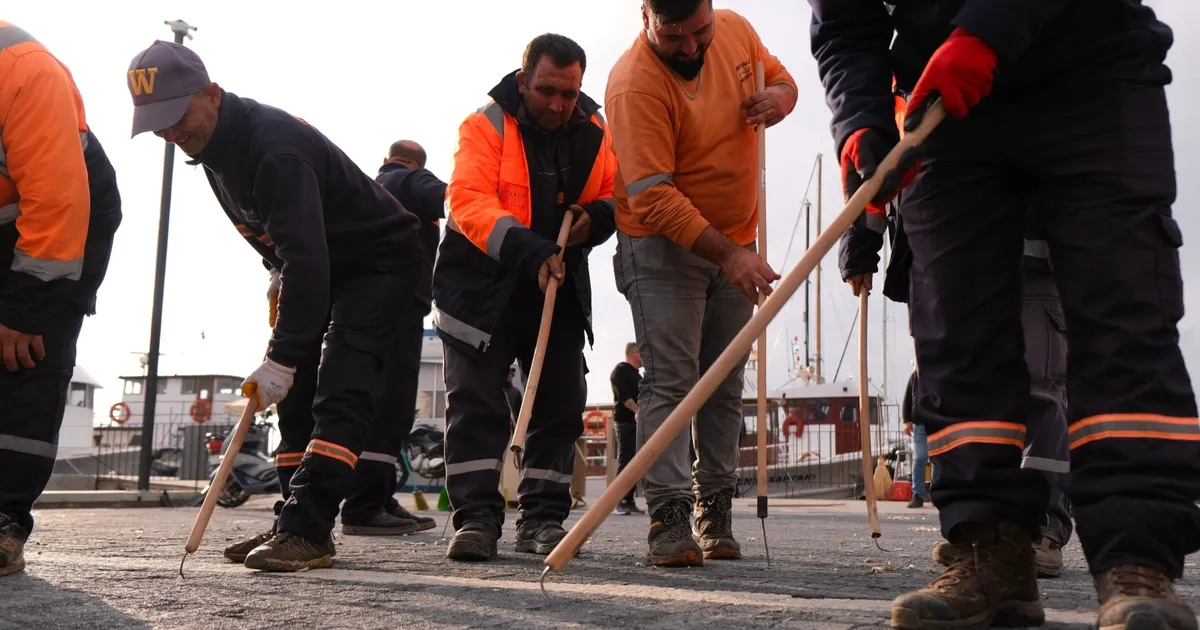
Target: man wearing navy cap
x: 345, y: 251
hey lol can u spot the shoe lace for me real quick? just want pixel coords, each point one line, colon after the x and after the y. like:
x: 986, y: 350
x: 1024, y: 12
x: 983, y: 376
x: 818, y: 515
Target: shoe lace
x: 1136, y: 581
x: 674, y: 517
x: 714, y: 517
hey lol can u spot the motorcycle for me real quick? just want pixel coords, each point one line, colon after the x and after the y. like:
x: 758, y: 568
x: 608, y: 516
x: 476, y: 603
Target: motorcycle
x: 253, y: 471
x: 423, y: 453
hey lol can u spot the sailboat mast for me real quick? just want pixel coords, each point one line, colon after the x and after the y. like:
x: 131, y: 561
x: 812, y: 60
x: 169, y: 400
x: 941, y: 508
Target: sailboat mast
x: 820, y: 375
x: 807, y: 288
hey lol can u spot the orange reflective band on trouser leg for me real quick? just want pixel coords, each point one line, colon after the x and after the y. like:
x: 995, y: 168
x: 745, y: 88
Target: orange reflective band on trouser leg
x: 333, y: 451
x: 288, y: 460
x: 977, y: 432
x: 1133, y: 425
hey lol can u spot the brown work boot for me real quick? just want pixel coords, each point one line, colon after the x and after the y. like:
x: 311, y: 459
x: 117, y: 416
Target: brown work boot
x: 1140, y: 598
x: 12, y: 547
x: 1047, y: 557
x: 671, y: 542
x: 713, y: 528
x: 286, y: 553
x: 989, y: 582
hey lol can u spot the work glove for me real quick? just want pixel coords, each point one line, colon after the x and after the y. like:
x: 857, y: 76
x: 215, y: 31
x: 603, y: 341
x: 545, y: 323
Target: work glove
x: 273, y: 297
x: 270, y: 383
x: 861, y: 156
x: 960, y: 72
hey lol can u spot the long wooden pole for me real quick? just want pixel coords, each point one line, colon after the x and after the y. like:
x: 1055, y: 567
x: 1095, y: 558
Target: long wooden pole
x: 681, y: 417
x: 233, y: 446
x: 517, y: 445
x: 761, y: 363
x: 864, y: 415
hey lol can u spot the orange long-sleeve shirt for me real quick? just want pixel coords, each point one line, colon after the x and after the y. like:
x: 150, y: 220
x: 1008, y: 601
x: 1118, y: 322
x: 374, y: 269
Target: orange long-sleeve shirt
x: 685, y: 164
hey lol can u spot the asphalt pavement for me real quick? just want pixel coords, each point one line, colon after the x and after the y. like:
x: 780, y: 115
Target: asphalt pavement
x: 118, y: 568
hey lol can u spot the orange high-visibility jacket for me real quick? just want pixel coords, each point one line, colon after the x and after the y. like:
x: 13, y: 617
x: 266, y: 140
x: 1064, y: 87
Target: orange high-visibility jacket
x: 490, y: 243
x: 44, y: 196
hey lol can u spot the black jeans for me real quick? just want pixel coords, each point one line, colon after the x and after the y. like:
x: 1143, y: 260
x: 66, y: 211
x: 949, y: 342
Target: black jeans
x: 1096, y: 171
x: 325, y: 419
x: 626, y: 449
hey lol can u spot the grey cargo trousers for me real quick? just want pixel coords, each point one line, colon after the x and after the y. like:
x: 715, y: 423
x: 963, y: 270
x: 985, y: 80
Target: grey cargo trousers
x: 685, y: 313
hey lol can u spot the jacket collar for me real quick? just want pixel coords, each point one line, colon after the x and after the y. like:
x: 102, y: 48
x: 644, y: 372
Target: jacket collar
x: 388, y: 167
x: 228, y: 137
x: 507, y: 95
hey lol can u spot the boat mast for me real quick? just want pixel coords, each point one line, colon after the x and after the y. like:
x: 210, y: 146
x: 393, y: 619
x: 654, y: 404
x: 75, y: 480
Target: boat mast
x: 820, y: 376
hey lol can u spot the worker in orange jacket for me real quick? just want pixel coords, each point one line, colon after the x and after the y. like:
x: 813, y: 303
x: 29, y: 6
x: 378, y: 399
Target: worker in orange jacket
x: 537, y: 150
x: 59, y: 209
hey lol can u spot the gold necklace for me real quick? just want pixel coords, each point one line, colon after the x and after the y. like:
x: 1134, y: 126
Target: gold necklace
x: 699, y: 80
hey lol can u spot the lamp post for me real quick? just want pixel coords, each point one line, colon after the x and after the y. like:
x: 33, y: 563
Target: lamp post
x: 181, y: 29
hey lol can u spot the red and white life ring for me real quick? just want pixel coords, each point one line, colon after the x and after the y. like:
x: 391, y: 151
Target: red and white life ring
x: 595, y: 422
x: 793, y: 421
x: 201, y: 411
x: 119, y: 413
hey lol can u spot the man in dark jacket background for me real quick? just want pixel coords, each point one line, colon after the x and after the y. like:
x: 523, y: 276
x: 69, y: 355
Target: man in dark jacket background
x: 537, y: 150
x: 626, y: 379
x: 348, y: 256
x: 1040, y: 97
x: 371, y: 508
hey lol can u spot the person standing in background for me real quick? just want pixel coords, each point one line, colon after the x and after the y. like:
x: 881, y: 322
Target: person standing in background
x: 626, y: 378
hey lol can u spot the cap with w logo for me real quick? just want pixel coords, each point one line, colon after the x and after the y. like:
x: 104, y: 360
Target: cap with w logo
x: 162, y: 80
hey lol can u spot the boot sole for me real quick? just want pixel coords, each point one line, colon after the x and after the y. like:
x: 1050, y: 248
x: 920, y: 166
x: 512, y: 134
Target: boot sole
x: 260, y: 563
x: 723, y: 553
x: 469, y: 554
x: 15, y: 567
x: 1004, y: 615
x: 689, y: 558
x: 425, y: 525
x: 1049, y: 572
x: 367, y: 530
x: 1145, y: 621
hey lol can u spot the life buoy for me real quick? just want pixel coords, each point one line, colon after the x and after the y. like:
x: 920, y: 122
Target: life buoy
x: 808, y: 454
x: 793, y: 421
x: 201, y: 411
x: 595, y: 422
x: 119, y: 413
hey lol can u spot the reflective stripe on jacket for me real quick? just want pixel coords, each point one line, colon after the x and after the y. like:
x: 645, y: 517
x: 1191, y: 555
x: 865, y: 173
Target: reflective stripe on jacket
x: 492, y: 239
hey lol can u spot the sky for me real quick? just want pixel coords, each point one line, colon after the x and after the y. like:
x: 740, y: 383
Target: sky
x: 370, y: 73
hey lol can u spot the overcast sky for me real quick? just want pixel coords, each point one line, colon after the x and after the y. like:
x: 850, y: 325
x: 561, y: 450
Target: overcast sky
x: 369, y: 73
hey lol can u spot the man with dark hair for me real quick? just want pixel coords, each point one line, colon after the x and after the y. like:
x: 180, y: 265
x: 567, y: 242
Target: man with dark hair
x: 347, y: 254
x: 626, y: 379
x: 1056, y: 116
x: 683, y: 107
x: 537, y: 150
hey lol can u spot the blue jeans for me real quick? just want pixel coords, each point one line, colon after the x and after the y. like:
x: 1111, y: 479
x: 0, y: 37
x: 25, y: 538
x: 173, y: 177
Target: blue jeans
x: 920, y: 461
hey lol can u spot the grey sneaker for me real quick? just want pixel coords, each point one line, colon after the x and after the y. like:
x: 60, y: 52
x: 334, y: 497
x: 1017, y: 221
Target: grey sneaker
x: 540, y: 538
x: 287, y: 553
x: 714, y: 527
x: 671, y: 542
x: 12, y: 546
x: 474, y: 542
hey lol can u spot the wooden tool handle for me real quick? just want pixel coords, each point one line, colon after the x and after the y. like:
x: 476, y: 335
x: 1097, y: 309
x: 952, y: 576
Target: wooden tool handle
x: 864, y: 415
x: 761, y: 364
x: 218, y: 482
x: 539, y: 352
x: 681, y: 417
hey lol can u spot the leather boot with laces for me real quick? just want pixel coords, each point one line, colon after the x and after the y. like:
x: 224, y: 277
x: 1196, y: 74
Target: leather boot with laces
x: 12, y: 546
x: 288, y: 552
x: 238, y: 551
x: 1140, y: 598
x: 671, y: 542
x: 989, y: 582
x: 714, y: 527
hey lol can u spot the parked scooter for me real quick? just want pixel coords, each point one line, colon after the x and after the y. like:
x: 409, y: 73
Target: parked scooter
x: 253, y: 470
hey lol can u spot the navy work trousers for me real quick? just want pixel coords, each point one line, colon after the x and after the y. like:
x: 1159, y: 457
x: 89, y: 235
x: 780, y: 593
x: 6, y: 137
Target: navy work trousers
x: 1095, y: 170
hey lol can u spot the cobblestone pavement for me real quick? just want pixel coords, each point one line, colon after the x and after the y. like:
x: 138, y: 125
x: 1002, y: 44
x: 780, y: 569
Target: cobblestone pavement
x: 118, y: 568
